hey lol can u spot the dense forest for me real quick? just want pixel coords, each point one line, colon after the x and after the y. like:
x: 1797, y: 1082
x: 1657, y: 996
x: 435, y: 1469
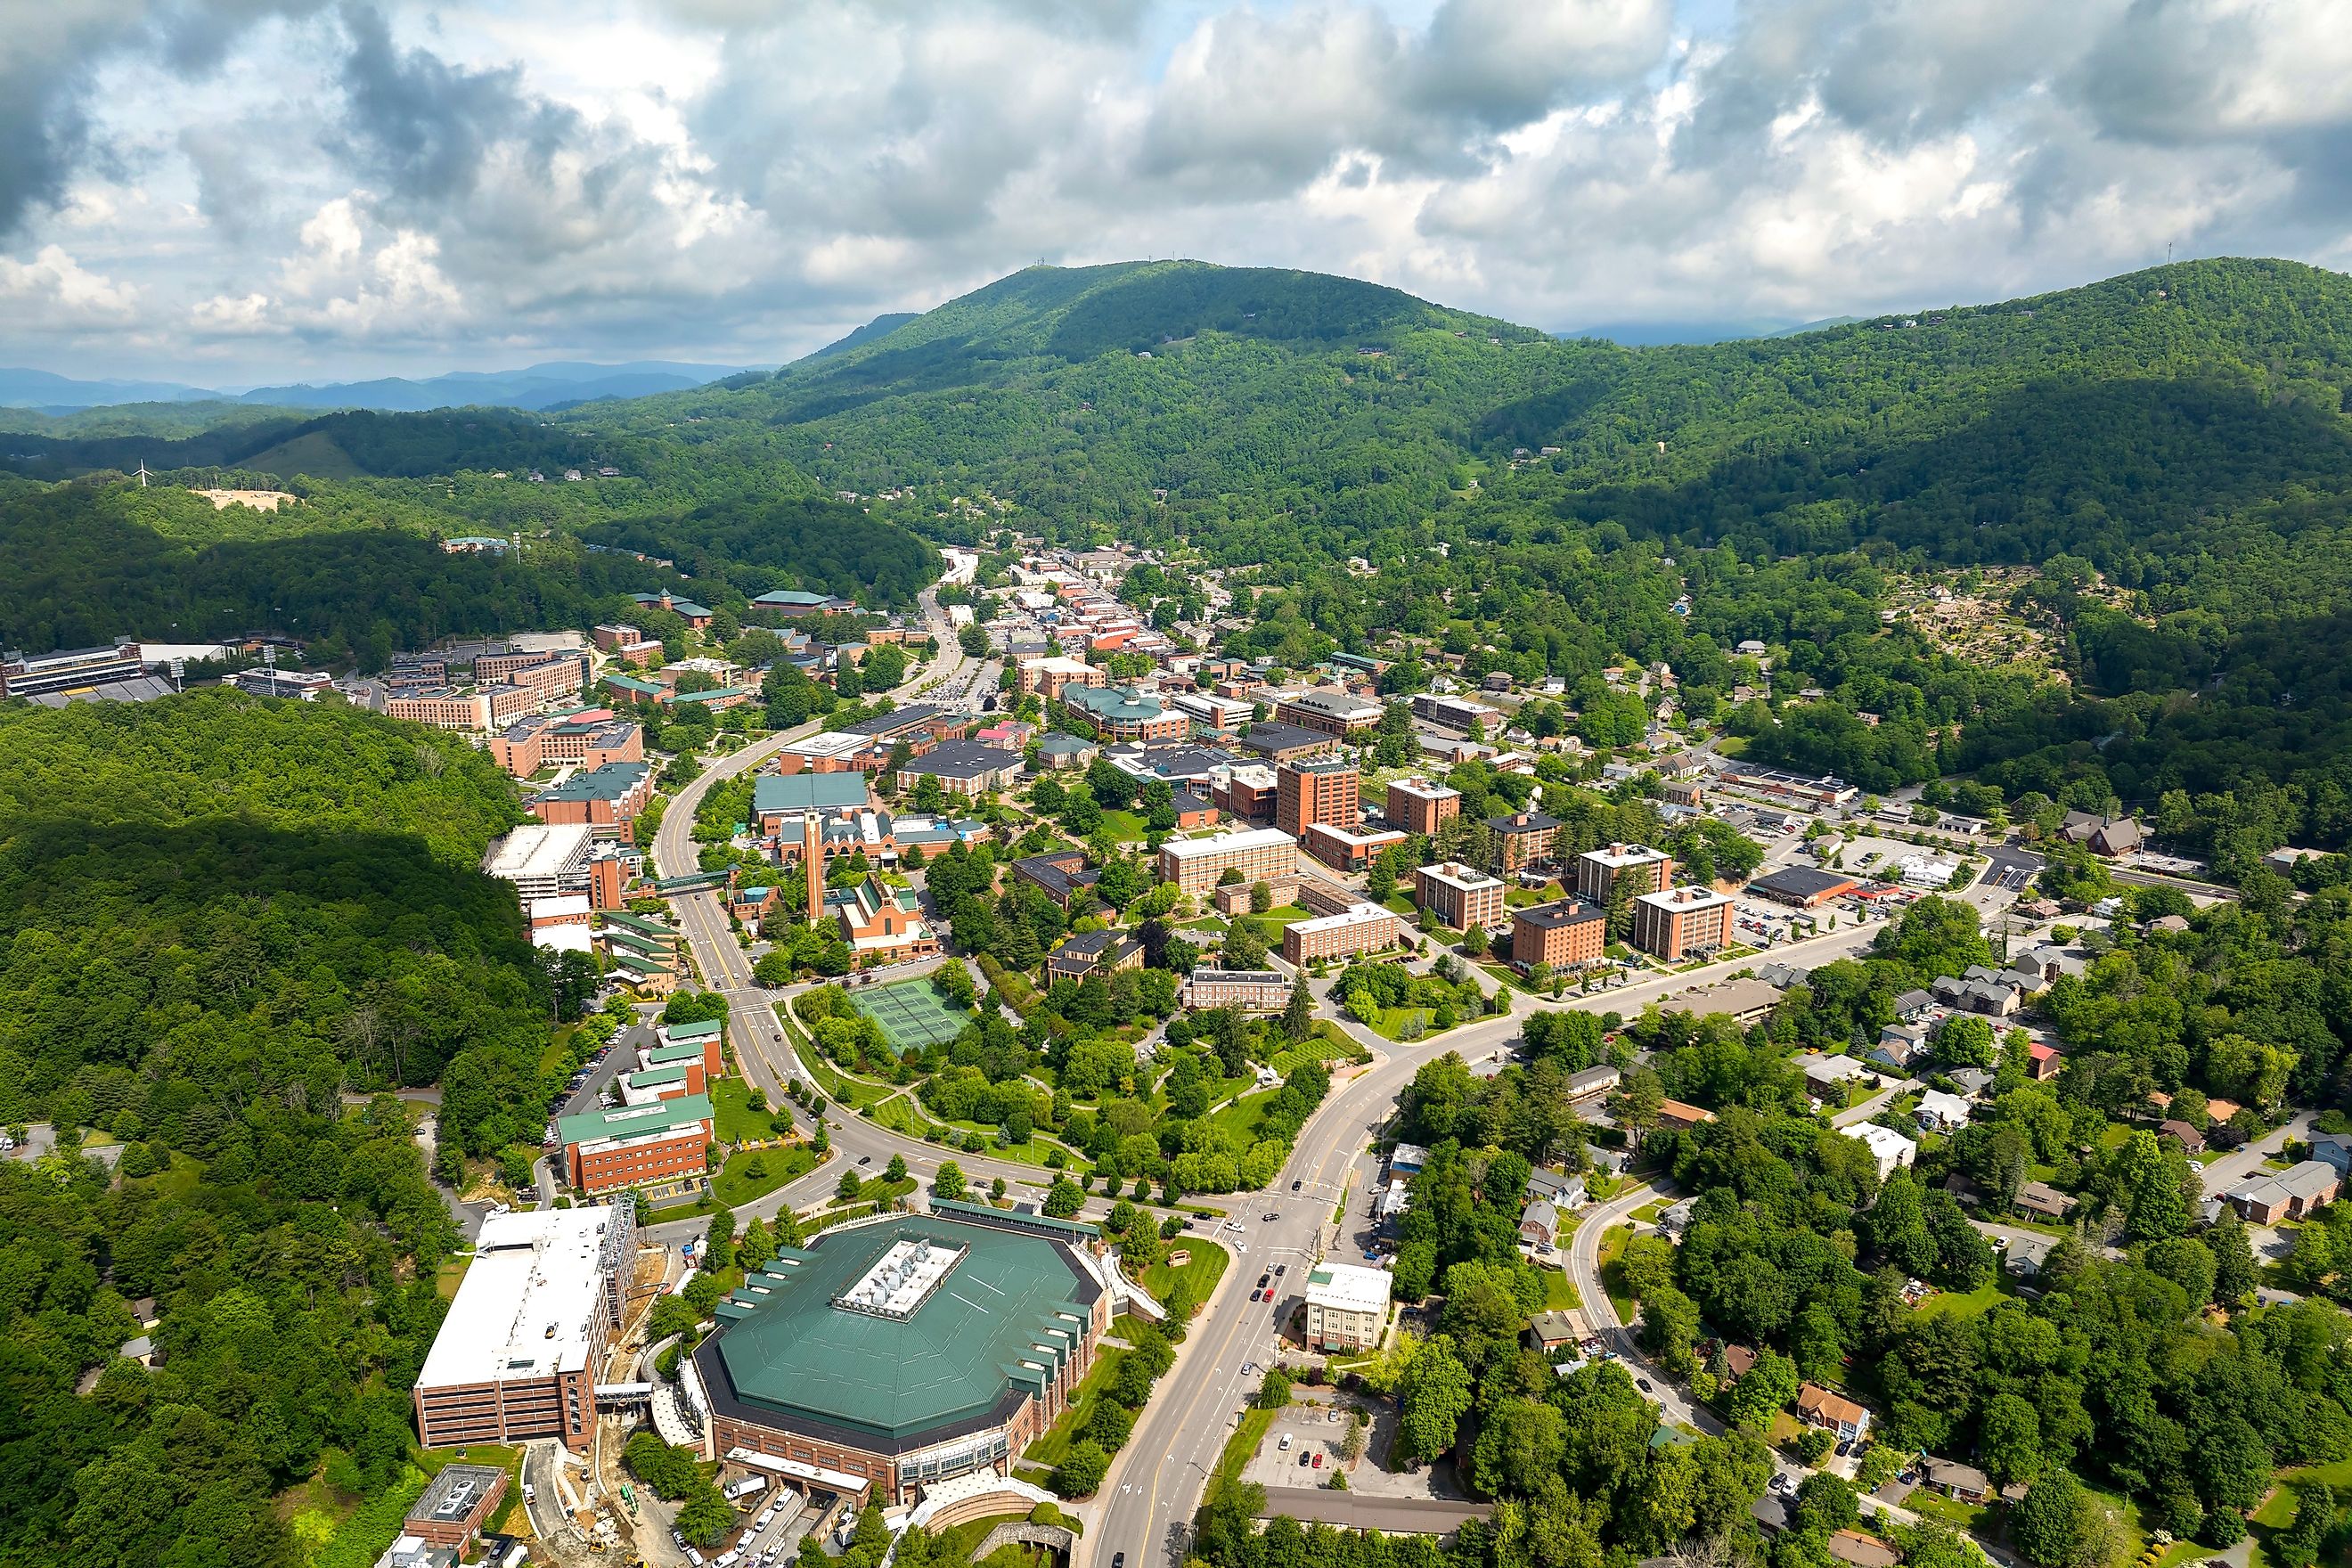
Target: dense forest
x: 213, y: 898
x: 228, y: 922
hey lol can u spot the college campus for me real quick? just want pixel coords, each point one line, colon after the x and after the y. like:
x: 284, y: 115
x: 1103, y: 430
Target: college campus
x: 1610, y: 897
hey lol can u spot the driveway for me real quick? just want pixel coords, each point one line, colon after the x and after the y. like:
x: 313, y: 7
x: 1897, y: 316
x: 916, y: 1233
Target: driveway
x: 2241, y: 1163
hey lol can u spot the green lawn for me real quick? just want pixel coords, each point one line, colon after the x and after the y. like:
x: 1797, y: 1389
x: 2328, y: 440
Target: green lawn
x: 1612, y: 1278
x: 855, y: 1093
x: 1394, y: 1019
x: 1246, y: 1436
x: 1323, y: 1048
x: 1401, y: 903
x: 1202, y: 1270
x: 1974, y: 1304
x: 1048, y: 1449
x: 1240, y: 1115
x: 731, y: 1115
x: 1560, y: 1291
x: 1935, y: 1505
x: 1126, y: 826
x: 877, y: 1190
x: 736, y: 1185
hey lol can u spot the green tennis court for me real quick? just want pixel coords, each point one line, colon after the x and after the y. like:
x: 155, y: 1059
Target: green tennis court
x: 910, y: 1013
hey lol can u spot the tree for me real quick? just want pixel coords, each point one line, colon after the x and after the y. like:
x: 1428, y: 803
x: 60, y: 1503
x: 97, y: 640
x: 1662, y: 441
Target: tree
x: 896, y: 1171
x: 846, y: 1188
x: 2297, y: 1546
x: 1825, y: 1502
x: 1434, y: 1397
x: 719, y: 1244
x: 1520, y: 1444
x: 1764, y: 1390
x: 948, y: 1183
x: 1261, y: 897
x: 705, y: 1516
x: 1065, y: 1199
x: 1965, y: 1040
x: 1081, y: 1470
x: 2059, y: 1525
x: 2008, y: 1439
x: 1297, y: 1014
x: 2233, y: 1259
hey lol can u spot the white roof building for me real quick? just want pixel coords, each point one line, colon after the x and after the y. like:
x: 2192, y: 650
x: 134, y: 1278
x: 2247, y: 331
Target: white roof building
x: 1347, y: 1287
x: 543, y: 859
x: 1888, y: 1147
x: 530, y: 1306
x: 1941, y: 1113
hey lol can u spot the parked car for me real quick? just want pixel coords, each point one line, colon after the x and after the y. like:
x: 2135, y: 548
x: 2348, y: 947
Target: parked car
x: 1318, y: 1461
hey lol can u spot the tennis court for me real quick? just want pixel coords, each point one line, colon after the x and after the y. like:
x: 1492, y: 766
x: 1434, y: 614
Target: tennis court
x: 910, y: 1013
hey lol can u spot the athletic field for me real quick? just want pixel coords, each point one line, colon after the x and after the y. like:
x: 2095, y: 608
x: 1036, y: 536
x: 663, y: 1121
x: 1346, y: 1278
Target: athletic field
x: 910, y: 1013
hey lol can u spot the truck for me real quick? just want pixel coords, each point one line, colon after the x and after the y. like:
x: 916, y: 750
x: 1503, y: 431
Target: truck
x: 750, y: 1485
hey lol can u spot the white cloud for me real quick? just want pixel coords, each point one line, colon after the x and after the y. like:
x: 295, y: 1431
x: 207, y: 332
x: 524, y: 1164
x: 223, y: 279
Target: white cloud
x: 389, y: 180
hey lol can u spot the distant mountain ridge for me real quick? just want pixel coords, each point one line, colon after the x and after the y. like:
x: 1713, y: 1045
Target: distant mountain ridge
x: 555, y: 383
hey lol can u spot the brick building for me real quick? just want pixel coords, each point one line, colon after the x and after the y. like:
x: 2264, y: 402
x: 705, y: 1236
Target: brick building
x: 1521, y: 840
x: 1461, y: 896
x: 1360, y: 928
x: 1259, y: 854
x: 659, y: 1144
x: 1597, y: 870
x: 1313, y: 790
x: 1566, y: 934
x: 1680, y: 921
x: 1420, y: 807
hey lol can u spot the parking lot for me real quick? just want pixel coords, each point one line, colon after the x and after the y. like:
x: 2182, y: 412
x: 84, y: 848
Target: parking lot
x: 772, y: 1523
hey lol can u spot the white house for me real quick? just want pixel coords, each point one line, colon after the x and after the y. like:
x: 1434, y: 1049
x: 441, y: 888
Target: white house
x: 1888, y: 1147
x: 1941, y: 1113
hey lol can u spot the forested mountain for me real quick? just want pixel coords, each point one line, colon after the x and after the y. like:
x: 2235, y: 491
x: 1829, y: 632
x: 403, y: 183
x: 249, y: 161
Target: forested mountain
x: 219, y: 916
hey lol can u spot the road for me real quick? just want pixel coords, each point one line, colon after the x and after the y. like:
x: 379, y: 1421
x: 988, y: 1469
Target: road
x: 2239, y: 1164
x: 762, y: 1049
x: 1149, y: 1503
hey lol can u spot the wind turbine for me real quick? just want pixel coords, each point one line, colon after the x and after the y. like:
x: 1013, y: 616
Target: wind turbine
x: 142, y: 473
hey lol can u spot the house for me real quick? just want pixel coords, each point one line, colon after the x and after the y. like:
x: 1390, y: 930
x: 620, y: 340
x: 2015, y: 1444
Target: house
x: 1855, y: 1550
x: 1539, y: 1222
x: 2182, y: 1133
x: 1590, y: 1083
x: 1674, y: 1218
x: 1407, y: 1159
x: 1899, y: 1044
x: 1558, y: 1189
x: 1550, y: 1330
x: 2296, y: 1193
x: 1733, y: 1363
x: 2335, y: 1148
x: 1833, y: 1413
x: 2044, y: 1062
x: 1979, y: 991
x: 1971, y: 1081
x: 1062, y: 754
x: 1886, y: 1146
x: 1061, y: 875
x: 1962, y: 1483
x: 1941, y: 1113
x: 2043, y: 1201
x: 1913, y: 1006
x: 1829, y: 1077
x: 1677, y: 1115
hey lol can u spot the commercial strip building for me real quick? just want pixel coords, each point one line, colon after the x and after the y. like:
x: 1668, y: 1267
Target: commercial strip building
x: 1461, y: 896
x: 1316, y: 790
x: 1258, y: 854
x: 661, y: 1144
x: 1596, y: 871
x: 1805, y: 886
x: 1346, y: 1306
x: 1420, y: 807
x: 1566, y: 934
x: 516, y: 1357
x: 887, y: 1356
x: 1359, y: 928
x: 1681, y: 921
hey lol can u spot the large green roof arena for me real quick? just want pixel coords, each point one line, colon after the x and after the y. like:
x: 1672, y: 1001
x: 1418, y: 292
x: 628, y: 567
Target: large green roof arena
x: 898, y: 1334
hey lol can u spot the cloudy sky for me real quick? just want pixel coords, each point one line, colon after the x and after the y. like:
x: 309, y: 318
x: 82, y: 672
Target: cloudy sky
x: 232, y: 190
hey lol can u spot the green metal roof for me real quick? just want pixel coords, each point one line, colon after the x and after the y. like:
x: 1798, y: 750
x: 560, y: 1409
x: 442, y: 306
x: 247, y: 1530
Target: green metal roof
x: 610, y: 781
x: 1013, y: 1299
x: 676, y: 1052
x: 630, y: 683
x: 696, y: 1029
x: 808, y: 791
x: 634, y: 1120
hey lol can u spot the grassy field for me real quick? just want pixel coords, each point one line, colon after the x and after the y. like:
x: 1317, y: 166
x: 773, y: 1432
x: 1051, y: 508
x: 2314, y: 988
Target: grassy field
x: 1974, y: 1304
x: 736, y: 1184
x: 1326, y: 1044
x: 1206, y: 1266
x: 1048, y: 1449
x: 732, y: 1118
x: 1394, y: 1019
x: 857, y: 1093
x: 1560, y: 1291
x: 1240, y: 1115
